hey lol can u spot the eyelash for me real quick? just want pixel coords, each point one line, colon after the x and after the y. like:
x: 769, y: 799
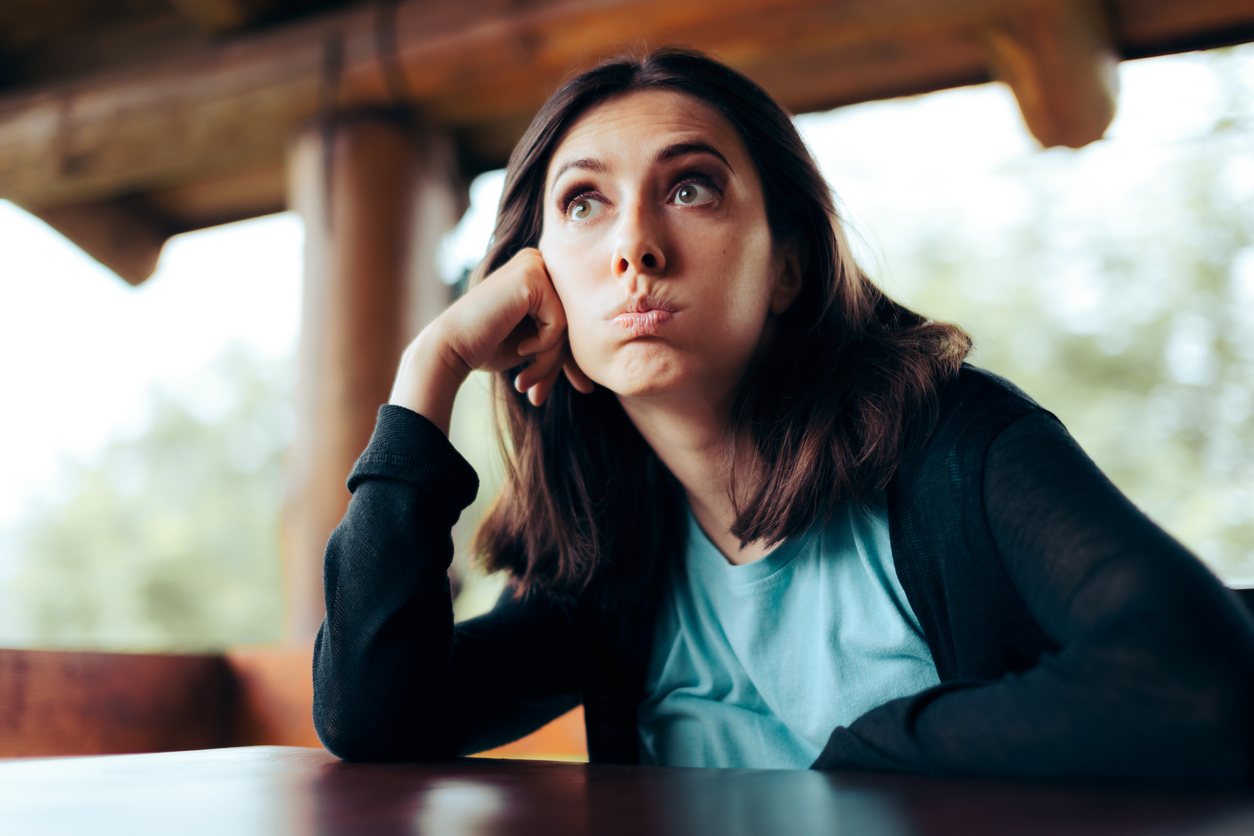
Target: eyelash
x: 582, y: 190
x: 579, y: 190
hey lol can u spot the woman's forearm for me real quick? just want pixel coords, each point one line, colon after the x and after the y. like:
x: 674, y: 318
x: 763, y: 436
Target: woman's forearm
x: 382, y: 650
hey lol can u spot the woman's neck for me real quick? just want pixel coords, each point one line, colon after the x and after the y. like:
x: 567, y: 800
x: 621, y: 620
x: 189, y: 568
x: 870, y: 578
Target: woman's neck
x: 690, y: 436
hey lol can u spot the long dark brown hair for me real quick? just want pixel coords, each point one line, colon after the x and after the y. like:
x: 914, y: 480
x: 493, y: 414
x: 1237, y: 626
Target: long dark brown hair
x: 848, y: 381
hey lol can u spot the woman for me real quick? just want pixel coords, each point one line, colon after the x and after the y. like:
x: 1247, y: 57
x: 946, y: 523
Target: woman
x: 756, y: 513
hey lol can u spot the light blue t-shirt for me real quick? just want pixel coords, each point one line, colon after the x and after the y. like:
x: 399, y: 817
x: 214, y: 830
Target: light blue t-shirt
x: 755, y: 665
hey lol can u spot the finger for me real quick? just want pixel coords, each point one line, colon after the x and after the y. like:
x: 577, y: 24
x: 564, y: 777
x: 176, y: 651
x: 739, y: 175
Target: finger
x: 546, y: 364
x: 548, y: 315
x: 540, y: 392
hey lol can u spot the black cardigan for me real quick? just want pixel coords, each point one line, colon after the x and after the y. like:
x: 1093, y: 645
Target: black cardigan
x: 1074, y: 639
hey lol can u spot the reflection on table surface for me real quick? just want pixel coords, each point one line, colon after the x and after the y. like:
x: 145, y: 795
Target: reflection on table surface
x: 278, y: 790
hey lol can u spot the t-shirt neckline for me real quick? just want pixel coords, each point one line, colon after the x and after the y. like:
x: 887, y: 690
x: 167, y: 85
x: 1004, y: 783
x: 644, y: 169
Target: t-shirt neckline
x: 705, y: 558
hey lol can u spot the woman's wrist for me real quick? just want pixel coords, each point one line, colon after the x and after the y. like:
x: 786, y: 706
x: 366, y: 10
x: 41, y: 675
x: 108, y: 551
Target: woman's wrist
x: 428, y: 379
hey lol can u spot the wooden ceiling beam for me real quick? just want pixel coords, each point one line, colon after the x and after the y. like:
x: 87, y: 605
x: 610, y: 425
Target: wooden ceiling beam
x: 479, y: 68
x: 1059, y: 59
x: 210, y: 201
x: 1161, y: 27
x: 232, y: 105
x: 221, y: 16
x: 82, y: 39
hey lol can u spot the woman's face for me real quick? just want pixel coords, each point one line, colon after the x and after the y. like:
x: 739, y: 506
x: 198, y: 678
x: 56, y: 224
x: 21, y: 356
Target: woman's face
x: 656, y: 239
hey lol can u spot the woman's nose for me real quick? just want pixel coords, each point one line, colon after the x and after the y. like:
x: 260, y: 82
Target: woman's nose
x: 639, y: 247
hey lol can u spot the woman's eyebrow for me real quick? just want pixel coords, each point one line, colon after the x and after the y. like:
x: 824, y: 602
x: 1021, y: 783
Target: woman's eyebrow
x: 680, y: 149
x: 584, y: 163
x: 670, y: 152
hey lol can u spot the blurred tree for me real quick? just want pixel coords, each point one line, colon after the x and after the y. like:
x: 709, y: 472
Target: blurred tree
x: 1123, y: 306
x: 169, y: 540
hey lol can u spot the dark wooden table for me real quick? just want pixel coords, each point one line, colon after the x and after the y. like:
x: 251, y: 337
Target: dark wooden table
x: 285, y: 790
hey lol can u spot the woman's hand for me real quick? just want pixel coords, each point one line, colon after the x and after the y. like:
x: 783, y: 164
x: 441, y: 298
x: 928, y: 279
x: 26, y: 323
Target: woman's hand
x: 512, y: 315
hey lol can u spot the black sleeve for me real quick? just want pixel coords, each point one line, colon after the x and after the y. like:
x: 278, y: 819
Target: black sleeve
x: 1153, y: 681
x: 394, y: 678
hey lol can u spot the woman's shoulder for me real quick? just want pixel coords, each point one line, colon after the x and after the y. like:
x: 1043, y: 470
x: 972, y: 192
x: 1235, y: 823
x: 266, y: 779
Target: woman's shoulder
x: 976, y: 391
x: 971, y: 409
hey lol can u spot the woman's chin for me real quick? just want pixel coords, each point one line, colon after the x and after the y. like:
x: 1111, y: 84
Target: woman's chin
x: 638, y: 390
x: 640, y: 374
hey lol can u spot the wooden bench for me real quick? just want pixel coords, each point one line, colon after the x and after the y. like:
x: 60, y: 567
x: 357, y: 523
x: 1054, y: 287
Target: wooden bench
x: 74, y: 703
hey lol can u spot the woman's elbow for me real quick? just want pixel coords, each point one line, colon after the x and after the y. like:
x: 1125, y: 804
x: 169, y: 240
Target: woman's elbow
x: 372, y: 743
x: 376, y: 749
x: 1217, y: 741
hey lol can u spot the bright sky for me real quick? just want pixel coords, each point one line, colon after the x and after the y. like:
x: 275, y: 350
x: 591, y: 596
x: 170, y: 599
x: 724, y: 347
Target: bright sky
x: 80, y: 350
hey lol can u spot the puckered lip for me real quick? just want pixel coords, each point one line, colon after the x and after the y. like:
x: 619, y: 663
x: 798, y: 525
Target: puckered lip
x: 641, y: 305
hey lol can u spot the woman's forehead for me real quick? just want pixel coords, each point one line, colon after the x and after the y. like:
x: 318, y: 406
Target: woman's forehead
x: 635, y: 125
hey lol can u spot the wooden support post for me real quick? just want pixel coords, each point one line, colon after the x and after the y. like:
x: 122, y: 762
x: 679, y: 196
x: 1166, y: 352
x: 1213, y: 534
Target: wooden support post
x: 376, y: 194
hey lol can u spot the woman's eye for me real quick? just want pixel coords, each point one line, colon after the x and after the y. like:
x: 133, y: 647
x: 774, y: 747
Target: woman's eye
x: 583, y: 208
x: 693, y: 193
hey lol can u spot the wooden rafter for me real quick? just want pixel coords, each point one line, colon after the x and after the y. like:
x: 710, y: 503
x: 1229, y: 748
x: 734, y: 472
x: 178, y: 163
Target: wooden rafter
x: 1059, y: 58
x: 114, y: 232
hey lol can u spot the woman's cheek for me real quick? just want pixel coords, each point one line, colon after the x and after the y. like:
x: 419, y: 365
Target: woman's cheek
x: 581, y: 334
x: 571, y: 269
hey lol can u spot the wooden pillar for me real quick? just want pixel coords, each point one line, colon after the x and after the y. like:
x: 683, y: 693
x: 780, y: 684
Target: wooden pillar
x: 376, y: 195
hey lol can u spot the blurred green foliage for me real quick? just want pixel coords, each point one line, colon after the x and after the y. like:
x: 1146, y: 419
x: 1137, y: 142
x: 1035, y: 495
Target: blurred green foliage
x: 168, y: 540
x: 1129, y: 314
